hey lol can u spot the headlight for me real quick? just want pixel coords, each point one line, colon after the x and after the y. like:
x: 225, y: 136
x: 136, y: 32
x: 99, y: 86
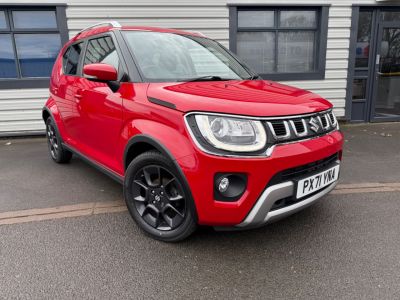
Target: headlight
x: 232, y: 134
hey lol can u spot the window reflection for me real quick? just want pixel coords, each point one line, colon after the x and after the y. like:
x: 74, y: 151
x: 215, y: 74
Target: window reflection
x: 303, y: 19
x: 3, y: 23
x: 279, y: 41
x: 254, y: 19
x: 359, y: 89
x: 102, y: 50
x: 388, y: 98
x: 296, y: 51
x: 258, y: 50
x: 71, y: 59
x: 391, y: 16
x: 363, y: 39
x: 34, y: 19
x: 37, y: 53
x: 7, y: 61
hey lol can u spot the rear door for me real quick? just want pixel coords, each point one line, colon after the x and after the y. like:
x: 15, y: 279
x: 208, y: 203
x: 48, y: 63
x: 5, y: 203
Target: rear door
x: 100, y: 117
x: 65, y: 91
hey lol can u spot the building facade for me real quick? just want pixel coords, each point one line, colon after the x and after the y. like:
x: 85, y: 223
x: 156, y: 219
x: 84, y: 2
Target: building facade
x: 346, y: 51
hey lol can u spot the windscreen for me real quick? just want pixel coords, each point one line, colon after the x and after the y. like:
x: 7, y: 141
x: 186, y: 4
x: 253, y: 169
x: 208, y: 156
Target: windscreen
x: 174, y: 57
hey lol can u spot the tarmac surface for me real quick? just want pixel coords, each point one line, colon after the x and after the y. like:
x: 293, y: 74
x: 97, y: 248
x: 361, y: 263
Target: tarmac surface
x: 345, y: 246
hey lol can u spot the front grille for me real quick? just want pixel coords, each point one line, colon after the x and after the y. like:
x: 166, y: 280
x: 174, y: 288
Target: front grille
x: 324, y: 121
x: 279, y: 128
x: 293, y: 173
x: 296, y: 128
x: 299, y: 126
x: 332, y: 118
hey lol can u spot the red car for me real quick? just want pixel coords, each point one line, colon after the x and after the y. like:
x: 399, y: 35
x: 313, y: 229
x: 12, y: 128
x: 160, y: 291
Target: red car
x: 193, y: 134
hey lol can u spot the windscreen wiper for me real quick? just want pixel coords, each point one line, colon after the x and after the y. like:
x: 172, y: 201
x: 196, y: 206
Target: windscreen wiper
x: 255, y: 76
x: 205, y: 78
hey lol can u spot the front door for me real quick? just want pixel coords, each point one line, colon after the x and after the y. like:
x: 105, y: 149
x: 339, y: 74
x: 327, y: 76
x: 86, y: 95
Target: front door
x: 100, y: 121
x: 386, y: 92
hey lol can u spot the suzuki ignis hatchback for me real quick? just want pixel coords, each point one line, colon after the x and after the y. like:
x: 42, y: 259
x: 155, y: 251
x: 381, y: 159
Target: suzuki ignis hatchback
x: 193, y: 134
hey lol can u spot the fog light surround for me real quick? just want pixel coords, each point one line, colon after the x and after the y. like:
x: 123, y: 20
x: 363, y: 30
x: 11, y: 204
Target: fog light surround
x: 229, y: 187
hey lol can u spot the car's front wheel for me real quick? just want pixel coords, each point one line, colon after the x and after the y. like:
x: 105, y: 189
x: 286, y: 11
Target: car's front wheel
x: 158, y: 198
x: 57, y: 152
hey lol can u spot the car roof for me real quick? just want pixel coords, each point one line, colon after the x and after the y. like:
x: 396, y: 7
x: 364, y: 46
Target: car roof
x: 103, y: 29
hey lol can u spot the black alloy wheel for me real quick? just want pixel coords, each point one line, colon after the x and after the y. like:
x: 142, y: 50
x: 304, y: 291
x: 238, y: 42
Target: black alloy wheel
x: 52, y: 140
x: 159, y: 198
x: 56, y: 149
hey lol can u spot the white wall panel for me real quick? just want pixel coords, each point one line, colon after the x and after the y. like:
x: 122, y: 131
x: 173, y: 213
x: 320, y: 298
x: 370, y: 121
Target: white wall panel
x: 21, y: 109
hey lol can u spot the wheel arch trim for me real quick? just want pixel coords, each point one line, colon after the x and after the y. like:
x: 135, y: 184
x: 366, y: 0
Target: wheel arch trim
x: 45, y: 109
x: 144, y: 138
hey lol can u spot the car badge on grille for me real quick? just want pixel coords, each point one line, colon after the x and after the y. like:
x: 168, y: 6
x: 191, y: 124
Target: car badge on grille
x: 314, y: 126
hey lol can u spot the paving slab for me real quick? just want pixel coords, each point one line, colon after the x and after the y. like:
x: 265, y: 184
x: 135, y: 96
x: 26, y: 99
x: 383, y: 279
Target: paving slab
x: 371, y: 153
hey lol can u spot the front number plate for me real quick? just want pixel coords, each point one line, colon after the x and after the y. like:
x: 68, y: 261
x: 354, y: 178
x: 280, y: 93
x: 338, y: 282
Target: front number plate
x: 316, y: 182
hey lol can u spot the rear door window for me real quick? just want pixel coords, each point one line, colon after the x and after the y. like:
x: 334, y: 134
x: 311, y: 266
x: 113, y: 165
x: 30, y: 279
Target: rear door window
x: 71, y: 59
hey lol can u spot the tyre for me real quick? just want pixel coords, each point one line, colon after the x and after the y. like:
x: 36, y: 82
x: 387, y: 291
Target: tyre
x: 57, y: 152
x: 158, y: 198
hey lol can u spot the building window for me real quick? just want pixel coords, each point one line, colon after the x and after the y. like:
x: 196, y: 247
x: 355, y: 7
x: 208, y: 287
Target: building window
x: 30, y: 39
x: 281, y: 43
x: 363, y: 39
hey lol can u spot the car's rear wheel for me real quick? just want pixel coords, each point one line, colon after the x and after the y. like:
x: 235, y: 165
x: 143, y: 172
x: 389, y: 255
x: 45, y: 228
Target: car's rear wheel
x: 158, y: 198
x: 57, y: 152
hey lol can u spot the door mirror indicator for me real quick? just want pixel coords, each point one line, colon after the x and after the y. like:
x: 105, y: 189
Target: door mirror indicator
x: 100, y: 72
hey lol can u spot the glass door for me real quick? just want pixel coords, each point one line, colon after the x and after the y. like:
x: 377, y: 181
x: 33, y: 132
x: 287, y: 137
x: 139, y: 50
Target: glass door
x: 362, y: 67
x: 386, y: 94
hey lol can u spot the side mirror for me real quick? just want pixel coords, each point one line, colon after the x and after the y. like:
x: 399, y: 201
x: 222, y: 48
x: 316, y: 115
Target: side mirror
x: 100, y: 72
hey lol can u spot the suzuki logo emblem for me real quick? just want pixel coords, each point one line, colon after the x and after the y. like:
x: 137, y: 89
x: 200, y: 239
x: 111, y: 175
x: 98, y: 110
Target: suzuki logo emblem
x: 314, y: 126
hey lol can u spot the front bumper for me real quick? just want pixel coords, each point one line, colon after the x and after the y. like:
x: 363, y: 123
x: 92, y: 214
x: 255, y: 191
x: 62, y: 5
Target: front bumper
x: 262, y: 214
x: 253, y: 209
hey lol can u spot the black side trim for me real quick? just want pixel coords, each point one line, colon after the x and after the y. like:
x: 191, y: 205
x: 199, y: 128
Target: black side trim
x: 99, y: 167
x: 162, y: 102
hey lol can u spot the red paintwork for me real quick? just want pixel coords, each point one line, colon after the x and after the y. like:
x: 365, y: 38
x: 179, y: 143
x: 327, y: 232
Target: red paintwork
x: 249, y: 97
x: 101, y: 72
x: 99, y: 123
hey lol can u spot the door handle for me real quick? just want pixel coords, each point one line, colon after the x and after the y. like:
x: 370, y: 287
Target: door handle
x: 78, y: 94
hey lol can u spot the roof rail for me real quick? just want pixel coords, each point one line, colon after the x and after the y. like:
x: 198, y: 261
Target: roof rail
x: 198, y: 32
x: 114, y: 24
